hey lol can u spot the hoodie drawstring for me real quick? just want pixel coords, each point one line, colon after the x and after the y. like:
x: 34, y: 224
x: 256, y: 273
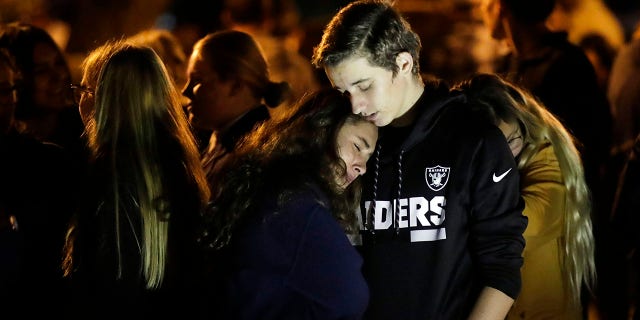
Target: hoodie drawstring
x: 395, y: 216
x: 370, y: 216
x: 372, y: 206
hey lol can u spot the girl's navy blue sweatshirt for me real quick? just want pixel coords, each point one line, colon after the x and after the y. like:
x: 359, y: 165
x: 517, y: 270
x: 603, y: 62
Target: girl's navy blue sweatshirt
x: 292, y: 261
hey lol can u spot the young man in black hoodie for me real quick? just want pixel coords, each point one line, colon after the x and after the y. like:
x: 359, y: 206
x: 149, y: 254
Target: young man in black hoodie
x: 442, y: 231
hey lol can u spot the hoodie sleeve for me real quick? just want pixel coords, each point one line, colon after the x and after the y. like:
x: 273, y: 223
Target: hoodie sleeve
x: 496, y: 221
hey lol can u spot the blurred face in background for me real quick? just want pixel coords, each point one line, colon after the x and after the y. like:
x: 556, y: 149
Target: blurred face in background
x: 177, y: 69
x: 513, y: 133
x: 84, y: 96
x: 490, y: 11
x: 51, y: 79
x: 210, y: 106
x: 7, y: 96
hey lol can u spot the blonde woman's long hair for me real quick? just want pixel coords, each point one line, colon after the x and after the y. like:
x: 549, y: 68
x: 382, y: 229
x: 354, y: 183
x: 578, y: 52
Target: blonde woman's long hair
x: 504, y: 101
x: 136, y: 117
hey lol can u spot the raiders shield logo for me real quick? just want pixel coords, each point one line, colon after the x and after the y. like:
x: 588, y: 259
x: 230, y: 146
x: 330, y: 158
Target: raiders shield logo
x: 436, y: 177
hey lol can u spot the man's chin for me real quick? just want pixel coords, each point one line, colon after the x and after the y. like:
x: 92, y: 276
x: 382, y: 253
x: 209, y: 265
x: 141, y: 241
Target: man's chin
x: 379, y: 122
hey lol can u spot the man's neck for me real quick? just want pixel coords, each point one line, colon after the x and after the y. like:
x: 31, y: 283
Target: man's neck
x: 414, y: 93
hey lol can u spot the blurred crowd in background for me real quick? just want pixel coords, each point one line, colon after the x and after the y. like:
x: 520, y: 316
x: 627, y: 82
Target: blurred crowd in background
x: 455, y: 42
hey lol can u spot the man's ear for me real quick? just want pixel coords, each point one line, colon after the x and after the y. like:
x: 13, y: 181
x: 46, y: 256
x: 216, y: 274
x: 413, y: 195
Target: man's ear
x: 404, y: 61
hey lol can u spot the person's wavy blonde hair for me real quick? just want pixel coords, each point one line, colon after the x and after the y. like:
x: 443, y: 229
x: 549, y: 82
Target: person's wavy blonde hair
x: 501, y: 100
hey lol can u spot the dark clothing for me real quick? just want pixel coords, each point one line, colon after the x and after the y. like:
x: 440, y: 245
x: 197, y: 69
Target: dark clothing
x: 624, y: 97
x: 291, y: 261
x: 227, y: 140
x: 459, y: 223
x: 113, y: 283
x: 36, y: 201
x: 564, y: 80
x: 623, y: 267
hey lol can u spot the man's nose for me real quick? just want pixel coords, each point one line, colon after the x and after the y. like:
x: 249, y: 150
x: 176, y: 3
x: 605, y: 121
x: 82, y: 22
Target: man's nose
x: 358, y: 103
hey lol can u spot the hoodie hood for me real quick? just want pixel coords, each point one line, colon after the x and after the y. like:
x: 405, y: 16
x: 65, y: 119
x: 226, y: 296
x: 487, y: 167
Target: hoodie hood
x: 432, y: 104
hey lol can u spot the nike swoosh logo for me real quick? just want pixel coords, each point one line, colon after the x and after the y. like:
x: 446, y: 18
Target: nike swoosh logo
x: 500, y: 177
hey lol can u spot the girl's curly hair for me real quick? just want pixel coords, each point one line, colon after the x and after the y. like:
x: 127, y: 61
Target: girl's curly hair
x: 280, y: 158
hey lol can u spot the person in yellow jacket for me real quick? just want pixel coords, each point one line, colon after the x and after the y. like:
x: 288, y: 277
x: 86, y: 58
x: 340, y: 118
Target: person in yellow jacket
x: 559, y: 251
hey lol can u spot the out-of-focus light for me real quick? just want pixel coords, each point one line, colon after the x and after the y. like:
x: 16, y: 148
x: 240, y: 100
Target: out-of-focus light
x: 166, y: 21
